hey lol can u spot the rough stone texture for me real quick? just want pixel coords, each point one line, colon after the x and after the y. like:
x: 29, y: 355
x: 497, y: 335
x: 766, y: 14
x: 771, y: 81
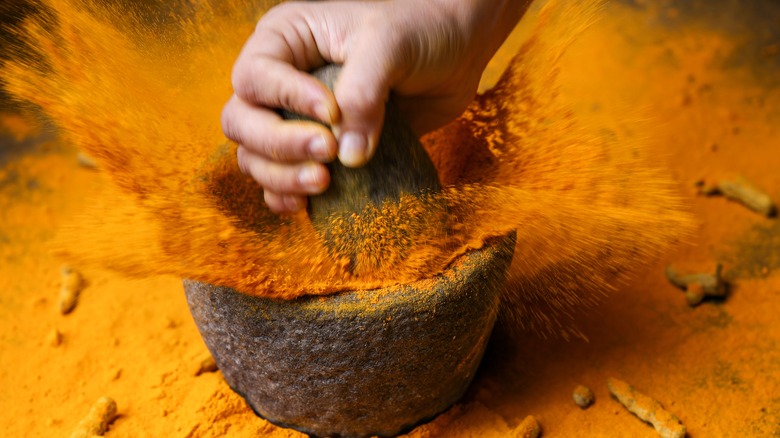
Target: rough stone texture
x: 356, y: 364
x: 583, y: 396
x: 399, y: 166
x: 359, y: 363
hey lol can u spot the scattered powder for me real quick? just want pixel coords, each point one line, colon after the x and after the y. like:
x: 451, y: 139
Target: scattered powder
x: 179, y: 205
x: 121, y: 341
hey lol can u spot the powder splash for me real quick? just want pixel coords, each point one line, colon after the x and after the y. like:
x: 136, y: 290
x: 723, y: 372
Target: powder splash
x: 144, y: 99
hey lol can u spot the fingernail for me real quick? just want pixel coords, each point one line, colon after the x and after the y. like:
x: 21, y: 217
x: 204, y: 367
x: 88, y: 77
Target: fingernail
x: 352, y: 149
x: 310, y: 178
x: 319, y: 150
x: 323, y: 113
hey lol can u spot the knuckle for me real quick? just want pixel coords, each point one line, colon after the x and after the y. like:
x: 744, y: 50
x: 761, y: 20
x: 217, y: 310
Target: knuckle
x: 280, y: 12
x: 360, y: 100
x: 294, y: 203
x: 286, y: 144
x: 267, y: 144
x: 248, y: 78
x: 273, y: 201
x: 242, y: 159
x: 273, y: 152
x: 280, y: 180
x: 229, y: 124
x: 286, y: 98
x: 241, y: 79
x: 257, y: 80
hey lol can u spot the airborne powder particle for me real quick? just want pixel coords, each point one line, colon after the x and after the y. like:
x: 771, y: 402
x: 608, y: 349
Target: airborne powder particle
x: 586, y: 208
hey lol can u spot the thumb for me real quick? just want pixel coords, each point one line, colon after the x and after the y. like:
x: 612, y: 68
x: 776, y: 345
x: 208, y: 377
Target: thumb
x: 361, y: 91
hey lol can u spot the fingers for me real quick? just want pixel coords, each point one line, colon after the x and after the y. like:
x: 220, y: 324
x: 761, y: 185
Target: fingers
x: 358, y: 133
x: 294, y: 38
x: 284, y: 203
x: 284, y: 186
x: 271, y: 69
x: 307, y: 178
x: 361, y: 91
x: 265, y: 133
x: 285, y: 157
x: 282, y: 156
x: 274, y: 84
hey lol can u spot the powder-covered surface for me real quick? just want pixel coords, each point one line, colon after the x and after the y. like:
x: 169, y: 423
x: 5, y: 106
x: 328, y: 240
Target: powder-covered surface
x: 699, y: 96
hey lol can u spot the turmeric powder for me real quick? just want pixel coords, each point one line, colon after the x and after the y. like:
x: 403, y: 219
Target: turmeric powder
x: 178, y: 204
x: 637, y: 331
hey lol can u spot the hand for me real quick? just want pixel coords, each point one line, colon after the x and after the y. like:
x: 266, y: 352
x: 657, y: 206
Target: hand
x: 430, y: 54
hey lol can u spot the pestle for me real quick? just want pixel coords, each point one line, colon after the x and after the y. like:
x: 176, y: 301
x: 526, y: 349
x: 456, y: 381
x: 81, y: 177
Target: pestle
x: 399, y: 166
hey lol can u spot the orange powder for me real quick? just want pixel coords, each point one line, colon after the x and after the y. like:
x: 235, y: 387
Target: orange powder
x: 715, y: 366
x: 18, y: 127
x: 181, y: 207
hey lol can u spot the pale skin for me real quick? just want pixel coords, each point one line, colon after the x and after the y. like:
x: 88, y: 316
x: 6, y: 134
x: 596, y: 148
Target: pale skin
x: 429, y: 53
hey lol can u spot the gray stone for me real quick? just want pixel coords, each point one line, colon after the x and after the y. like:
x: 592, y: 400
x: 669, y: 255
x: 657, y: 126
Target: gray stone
x: 356, y: 364
x: 399, y: 166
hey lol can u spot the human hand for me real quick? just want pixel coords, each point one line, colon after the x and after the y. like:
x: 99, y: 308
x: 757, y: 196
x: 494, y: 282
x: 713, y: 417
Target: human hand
x: 430, y: 54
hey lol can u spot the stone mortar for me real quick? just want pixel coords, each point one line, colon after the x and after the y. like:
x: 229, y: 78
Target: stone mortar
x: 359, y: 363
x: 356, y: 364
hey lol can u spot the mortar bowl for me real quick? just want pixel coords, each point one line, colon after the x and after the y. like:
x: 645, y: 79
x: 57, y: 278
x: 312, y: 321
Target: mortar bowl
x: 357, y: 363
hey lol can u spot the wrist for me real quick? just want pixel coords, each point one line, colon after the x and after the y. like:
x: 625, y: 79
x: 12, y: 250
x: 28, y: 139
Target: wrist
x: 485, y: 24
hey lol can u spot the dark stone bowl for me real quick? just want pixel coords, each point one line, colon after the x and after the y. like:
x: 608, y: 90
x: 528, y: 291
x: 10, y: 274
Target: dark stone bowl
x: 356, y: 364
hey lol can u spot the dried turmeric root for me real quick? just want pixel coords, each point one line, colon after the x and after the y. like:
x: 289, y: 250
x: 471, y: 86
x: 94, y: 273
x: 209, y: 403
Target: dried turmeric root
x: 72, y: 284
x: 647, y: 409
x: 528, y: 428
x: 102, y: 413
x: 742, y: 192
x: 206, y: 364
x: 699, y: 286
